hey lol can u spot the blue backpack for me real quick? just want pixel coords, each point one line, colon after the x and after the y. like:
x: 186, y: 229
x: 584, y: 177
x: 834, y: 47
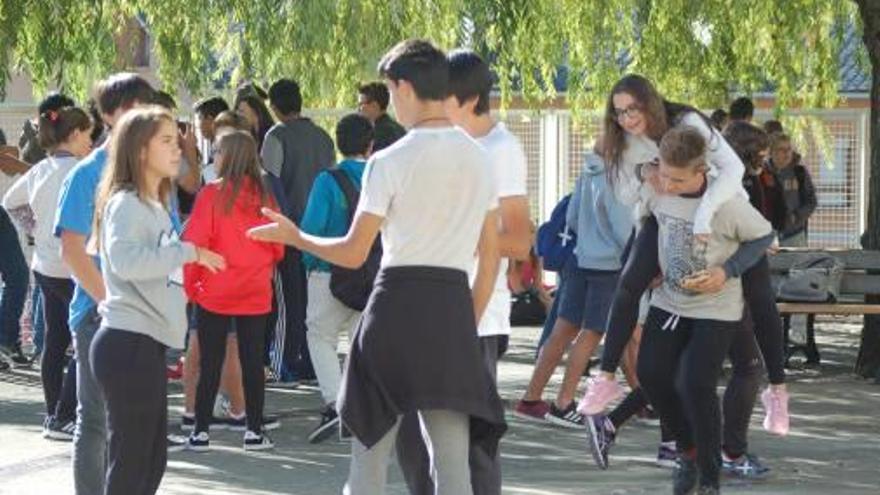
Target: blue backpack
x: 555, y: 240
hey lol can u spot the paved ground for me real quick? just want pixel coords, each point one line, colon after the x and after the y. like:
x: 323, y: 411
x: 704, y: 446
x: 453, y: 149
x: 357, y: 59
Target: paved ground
x: 833, y: 447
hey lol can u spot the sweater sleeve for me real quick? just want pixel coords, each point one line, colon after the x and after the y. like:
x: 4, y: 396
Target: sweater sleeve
x: 17, y: 195
x: 747, y: 255
x: 729, y: 168
x: 809, y: 200
x: 129, y: 256
x: 198, y: 231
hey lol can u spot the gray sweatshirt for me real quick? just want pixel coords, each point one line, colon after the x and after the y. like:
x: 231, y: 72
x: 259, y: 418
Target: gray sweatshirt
x: 142, y: 259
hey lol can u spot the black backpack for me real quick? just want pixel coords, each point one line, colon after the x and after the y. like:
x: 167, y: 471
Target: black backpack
x: 353, y: 286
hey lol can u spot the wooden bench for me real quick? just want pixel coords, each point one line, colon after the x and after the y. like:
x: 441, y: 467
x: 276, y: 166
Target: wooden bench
x: 861, y: 278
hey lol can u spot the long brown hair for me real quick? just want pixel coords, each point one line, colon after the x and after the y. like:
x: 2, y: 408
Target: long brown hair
x: 659, y: 113
x: 748, y: 141
x: 125, y: 167
x: 237, y: 163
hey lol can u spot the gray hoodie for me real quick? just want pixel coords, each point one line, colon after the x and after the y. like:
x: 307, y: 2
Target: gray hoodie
x: 603, y: 224
x: 142, y: 259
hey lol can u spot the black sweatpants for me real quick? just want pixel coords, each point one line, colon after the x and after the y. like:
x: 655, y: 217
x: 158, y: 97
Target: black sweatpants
x: 59, y: 388
x: 130, y: 370
x: 642, y: 265
x: 251, y: 332
x: 678, y: 369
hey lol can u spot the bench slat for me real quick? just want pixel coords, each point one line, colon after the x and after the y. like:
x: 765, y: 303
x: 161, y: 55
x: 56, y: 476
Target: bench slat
x: 829, y: 309
x: 852, y: 283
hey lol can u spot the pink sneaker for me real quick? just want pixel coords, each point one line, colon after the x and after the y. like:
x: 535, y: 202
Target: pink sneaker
x: 776, y: 404
x: 600, y: 393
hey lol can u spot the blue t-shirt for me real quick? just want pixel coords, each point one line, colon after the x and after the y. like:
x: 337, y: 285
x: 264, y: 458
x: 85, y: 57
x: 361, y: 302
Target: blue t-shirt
x: 326, y: 212
x: 76, y: 207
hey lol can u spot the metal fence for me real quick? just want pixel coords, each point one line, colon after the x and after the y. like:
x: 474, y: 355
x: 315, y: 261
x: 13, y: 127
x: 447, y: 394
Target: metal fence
x: 833, y: 143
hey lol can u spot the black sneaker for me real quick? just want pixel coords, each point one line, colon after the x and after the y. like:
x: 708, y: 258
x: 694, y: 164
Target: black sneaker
x: 198, y: 442
x: 567, y: 418
x: 240, y: 424
x: 600, y: 437
x: 54, y: 429
x: 256, y: 441
x: 14, y: 356
x: 667, y: 456
x: 684, y: 480
x: 176, y: 443
x: 328, y: 426
x: 746, y: 466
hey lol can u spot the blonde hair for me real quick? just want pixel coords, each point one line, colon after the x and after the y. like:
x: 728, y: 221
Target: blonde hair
x: 125, y: 167
x: 683, y: 147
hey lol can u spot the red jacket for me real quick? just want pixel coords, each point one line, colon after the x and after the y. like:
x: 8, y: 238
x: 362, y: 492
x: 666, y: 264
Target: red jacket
x: 245, y: 286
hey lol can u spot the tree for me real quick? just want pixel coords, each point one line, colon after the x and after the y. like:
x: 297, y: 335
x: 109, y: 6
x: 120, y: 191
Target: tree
x: 695, y: 50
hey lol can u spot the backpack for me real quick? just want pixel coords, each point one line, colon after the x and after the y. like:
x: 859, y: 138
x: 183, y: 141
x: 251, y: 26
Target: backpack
x: 526, y: 309
x: 814, y: 278
x: 555, y: 240
x: 352, y: 287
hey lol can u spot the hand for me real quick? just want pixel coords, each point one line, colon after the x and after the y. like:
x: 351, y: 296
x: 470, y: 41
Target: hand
x: 210, y: 260
x: 702, y: 238
x: 651, y: 177
x: 656, y: 282
x: 281, y: 230
x: 187, y: 140
x: 709, y: 281
x: 774, y: 248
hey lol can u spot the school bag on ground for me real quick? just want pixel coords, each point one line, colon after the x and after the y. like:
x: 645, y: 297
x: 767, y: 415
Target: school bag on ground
x: 526, y: 309
x: 814, y: 278
x: 555, y: 240
x: 353, y: 286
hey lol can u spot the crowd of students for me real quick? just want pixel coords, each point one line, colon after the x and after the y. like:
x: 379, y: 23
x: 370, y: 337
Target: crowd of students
x: 146, y: 243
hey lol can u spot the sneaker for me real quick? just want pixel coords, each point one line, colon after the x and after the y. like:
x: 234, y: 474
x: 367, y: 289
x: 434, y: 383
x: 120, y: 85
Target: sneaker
x: 198, y: 442
x: 684, y: 480
x: 600, y: 393
x: 188, y: 423
x: 648, y: 415
x: 746, y: 466
x: 176, y: 443
x: 58, y: 430
x: 667, y: 456
x: 567, y: 418
x: 776, y: 405
x: 531, y: 410
x: 240, y: 423
x: 254, y: 441
x: 329, y: 424
x: 14, y: 356
x: 600, y: 437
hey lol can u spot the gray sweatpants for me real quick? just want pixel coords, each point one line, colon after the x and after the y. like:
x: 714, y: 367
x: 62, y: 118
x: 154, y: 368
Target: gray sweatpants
x: 446, y: 433
x: 413, y: 457
x: 90, y: 436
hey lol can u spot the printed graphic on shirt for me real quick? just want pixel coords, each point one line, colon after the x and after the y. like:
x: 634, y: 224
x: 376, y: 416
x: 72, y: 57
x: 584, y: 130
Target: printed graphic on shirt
x: 169, y: 239
x: 683, y: 257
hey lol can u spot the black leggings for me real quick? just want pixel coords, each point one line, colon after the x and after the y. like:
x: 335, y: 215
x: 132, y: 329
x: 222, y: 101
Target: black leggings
x: 130, y: 370
x: 59, y: 389
x: 739, y: 395
x: 212, y: 330
x: 678, y: 369
x: 642, y: 265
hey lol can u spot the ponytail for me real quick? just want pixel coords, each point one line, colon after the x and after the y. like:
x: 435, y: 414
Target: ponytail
x: 56, y: 126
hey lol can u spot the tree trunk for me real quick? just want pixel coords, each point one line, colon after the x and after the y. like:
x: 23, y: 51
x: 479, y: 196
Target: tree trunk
x: 868, y: 361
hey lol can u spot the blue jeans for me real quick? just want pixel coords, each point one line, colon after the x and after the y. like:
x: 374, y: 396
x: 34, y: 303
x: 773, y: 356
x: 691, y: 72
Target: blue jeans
x: 15, y: 274
x: 90, y: 437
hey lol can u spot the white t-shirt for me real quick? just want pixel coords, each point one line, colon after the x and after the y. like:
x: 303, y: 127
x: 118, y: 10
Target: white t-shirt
x: 508, y: 165
x: 39, y: 188
x: 434, y: 189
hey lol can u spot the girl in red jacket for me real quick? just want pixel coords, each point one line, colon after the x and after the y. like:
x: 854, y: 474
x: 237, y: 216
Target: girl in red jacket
x: 241, y: 295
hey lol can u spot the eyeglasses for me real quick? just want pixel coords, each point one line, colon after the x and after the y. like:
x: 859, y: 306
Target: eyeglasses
x: 628, y: 112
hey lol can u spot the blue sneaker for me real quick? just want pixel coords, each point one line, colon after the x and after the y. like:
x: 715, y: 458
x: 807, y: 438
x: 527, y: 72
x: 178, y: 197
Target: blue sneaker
x: 746, y: 466
x: 600, y: 437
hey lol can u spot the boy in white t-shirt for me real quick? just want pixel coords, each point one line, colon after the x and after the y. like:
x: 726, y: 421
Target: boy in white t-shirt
x: 470, y: 86
x: 433, y: 199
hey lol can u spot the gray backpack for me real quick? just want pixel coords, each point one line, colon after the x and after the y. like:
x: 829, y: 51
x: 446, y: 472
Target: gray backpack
x: 814, y: 278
